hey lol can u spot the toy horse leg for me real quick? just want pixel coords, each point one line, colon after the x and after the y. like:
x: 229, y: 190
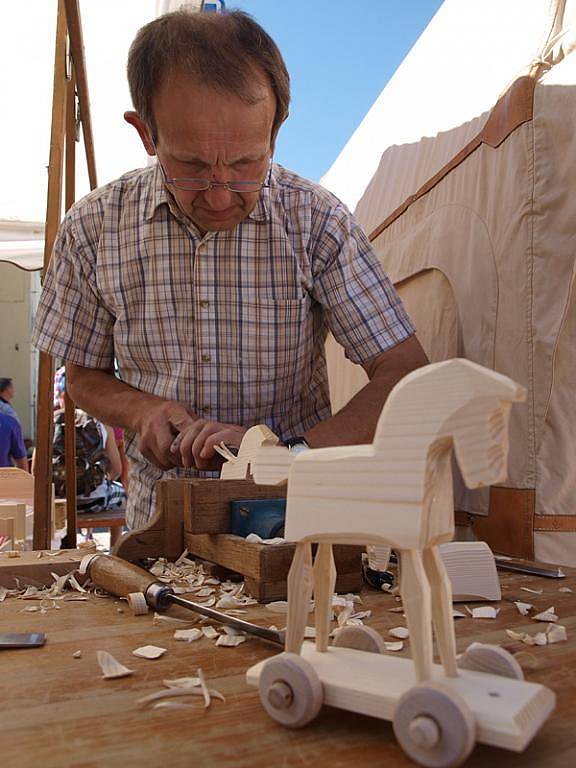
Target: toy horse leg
x: 441, y: 594
x: 300, y: 578
x: 415, y: 592
x: 324, y: 583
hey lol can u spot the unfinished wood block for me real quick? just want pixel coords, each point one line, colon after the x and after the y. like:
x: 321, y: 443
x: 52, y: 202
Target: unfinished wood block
x: 17, y: 512
x: 30, y: 569
x: 7, y: 530
x: 238, y: 467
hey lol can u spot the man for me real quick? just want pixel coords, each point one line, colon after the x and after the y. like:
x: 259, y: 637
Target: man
x: 12, y: 449
x: 214, y: 276
x: 6, y: 396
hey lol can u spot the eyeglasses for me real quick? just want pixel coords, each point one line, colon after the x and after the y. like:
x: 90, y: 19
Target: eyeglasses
x: 203, y: 185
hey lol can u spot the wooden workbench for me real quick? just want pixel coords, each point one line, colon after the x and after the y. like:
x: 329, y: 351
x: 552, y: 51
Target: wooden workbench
x: 57, y: 711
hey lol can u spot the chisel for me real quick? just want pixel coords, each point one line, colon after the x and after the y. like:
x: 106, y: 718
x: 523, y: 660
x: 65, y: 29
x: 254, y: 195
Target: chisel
x: 120, y: 578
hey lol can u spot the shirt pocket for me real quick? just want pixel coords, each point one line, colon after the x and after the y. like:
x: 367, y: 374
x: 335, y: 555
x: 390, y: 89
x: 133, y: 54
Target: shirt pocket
x: 273, y: 354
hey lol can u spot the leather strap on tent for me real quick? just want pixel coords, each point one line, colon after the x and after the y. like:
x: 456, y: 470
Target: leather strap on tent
x: 512, y: 109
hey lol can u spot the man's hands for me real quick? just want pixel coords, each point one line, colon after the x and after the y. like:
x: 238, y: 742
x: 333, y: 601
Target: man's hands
x: 157, y: 427
x: 194, y: 445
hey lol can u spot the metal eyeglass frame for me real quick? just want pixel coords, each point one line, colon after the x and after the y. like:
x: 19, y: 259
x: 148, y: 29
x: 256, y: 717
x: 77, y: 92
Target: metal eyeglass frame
x: 203, y: 185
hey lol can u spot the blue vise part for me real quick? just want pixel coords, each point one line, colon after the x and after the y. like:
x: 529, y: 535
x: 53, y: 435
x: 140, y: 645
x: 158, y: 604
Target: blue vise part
x: 264, y: 517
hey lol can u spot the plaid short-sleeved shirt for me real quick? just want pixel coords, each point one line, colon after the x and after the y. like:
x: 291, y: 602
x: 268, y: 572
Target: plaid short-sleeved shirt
x: 232, y: 323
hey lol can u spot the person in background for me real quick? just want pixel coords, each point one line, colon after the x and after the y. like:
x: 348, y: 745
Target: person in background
x: 6, y: 396
x: 214, y: 276
x: 12, y: 449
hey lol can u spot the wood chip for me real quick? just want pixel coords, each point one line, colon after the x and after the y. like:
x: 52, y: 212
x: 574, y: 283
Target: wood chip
x: 230, y: 641
x: 77, y: 655
x: 111, y: 668
x: 182, y: 682
x: 523, y: 608
x: 149, y: 652
x: 188, y: 635
x: 565, y: 589
x: 483, y: 612
x: 548, y: 616
x: 278, y: 606
x: 532, y: 591
x: 204, y: 687
x: 160, y: 618
x: 401, y: 633
x: 394, y: 646
x: 210, y: 632
x: 3, y: 593
x: 556, y: 633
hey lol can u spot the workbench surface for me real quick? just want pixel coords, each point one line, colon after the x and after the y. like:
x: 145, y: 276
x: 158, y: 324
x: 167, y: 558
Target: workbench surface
x: 57, y: 711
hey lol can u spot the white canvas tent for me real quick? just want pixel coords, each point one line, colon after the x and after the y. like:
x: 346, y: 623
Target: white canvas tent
x: 475, y: 225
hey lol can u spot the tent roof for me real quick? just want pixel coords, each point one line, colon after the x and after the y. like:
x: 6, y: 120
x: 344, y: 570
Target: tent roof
x: 466, y: 57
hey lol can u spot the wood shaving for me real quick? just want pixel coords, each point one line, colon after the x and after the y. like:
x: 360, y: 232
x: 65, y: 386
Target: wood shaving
x: 556, y: 633
x: 205, y: 591
x: 177, y: 692
x: 231, y: 601
x: 77, y: 655
x: 253, y: 538
x: 3, y: 593
x: 230, y: 641
x: 205, y: 691
x: 394, y: 646
x: 182, y: 682
x: 565, y: 589
x: 137, y: 603
x: 232, y: 630
x: 111, y: 668
x: 547, y: 615
x: 210, y: 603
x: 210, y: 632
x: 532, y: 591
x: 483, y: 612
x: 523, y: 608
x: 401, y: 633
x: 160, y: 618
x: 149, y: 652
x: 188, y: 635
x: 458, y: 614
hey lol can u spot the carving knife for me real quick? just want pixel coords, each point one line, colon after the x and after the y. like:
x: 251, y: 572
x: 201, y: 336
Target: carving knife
x: 120, y: 578
x: 529, y: 566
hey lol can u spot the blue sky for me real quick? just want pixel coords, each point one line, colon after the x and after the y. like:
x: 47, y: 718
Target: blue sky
x: 340, y: 55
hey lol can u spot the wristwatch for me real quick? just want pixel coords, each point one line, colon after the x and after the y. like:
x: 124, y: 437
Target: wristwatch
x: 296, y: 445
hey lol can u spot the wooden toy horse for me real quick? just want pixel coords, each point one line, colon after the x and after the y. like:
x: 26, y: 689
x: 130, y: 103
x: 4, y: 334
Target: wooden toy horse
x: 399, y: 491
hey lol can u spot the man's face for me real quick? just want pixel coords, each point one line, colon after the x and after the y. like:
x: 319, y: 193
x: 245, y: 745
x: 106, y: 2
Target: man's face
x: 202, y: 133
x: 8, y: 393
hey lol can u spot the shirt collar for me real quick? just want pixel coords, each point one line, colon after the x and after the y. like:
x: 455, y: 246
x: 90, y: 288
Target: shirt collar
x: 159, y: 196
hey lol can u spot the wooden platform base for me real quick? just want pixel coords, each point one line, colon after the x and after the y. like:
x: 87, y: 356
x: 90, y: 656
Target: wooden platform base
x: 508, y: 712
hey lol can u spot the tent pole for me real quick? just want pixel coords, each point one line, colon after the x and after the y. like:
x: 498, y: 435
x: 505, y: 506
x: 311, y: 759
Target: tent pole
x: 42, y: 533
x: 69, y: 407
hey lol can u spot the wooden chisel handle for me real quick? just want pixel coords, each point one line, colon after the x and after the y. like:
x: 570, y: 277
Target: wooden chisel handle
x: 118, y: 576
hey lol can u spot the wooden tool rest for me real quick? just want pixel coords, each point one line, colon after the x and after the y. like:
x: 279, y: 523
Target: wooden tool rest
x: 195, y: 514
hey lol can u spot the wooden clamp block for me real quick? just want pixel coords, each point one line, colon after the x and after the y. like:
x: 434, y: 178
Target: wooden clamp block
x: 265, y: 566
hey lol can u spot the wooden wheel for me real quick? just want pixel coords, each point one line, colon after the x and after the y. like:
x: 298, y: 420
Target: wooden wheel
x: 434, y: 726
x: 290, y: 690
x: 482, y: 657
x: 360, y: 638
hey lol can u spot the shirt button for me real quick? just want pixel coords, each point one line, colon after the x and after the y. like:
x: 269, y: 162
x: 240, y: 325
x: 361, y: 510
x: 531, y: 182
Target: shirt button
x: 206, y: 357
x: 204, y: 304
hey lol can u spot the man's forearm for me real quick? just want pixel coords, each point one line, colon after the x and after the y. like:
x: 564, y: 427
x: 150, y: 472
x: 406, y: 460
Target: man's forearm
x: 106, y: 398
x: 356, y: 422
